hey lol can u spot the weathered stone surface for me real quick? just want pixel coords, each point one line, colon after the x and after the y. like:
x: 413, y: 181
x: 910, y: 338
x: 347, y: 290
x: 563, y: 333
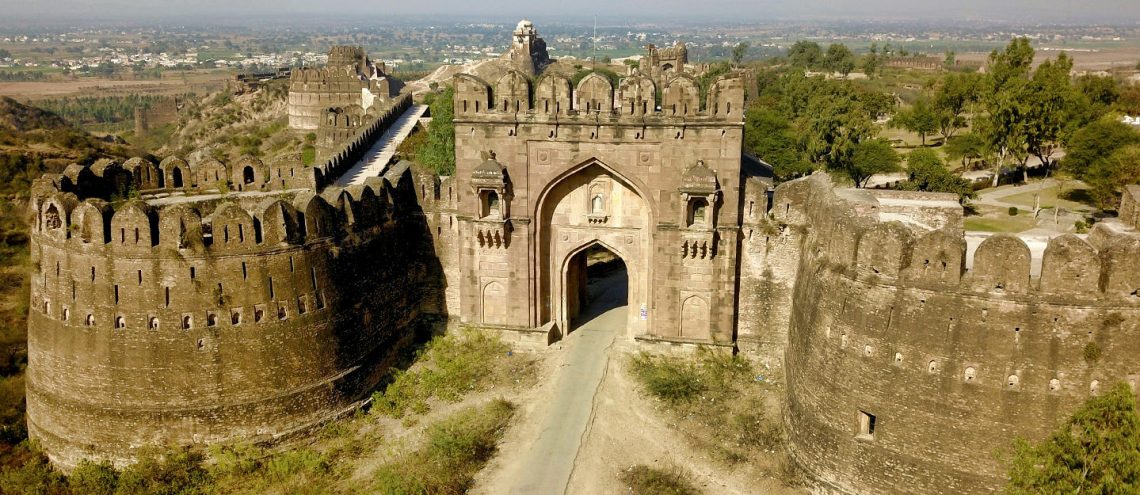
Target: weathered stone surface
x: 208, y: 321
x: 951, y: 367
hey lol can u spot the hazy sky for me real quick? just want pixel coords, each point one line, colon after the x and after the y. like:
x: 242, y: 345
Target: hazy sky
x: 1115, y: 11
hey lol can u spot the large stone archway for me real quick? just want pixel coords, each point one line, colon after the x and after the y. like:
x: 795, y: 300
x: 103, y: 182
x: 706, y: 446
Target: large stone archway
x: 592, y: 205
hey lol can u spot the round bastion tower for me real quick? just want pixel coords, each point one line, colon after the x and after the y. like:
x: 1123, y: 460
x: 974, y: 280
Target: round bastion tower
x: 187, y: 318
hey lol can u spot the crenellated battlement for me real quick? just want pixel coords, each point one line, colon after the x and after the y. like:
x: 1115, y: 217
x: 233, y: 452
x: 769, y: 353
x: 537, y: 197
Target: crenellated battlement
x: 596, y: 101
x: 854, y: 238
x: 952, y: 348
x: 253, y: 315
x: 214, y: 224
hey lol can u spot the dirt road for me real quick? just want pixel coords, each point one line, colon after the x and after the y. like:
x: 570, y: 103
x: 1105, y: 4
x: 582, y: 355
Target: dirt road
x: 564, y: 419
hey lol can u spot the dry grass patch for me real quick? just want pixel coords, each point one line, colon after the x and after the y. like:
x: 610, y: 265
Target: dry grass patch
x: 645, y: 480
x: 717, y: 400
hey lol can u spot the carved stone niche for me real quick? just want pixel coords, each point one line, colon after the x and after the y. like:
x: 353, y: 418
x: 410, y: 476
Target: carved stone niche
x: 492, y: 186
x: 598, y: 206
x: 700, y: 194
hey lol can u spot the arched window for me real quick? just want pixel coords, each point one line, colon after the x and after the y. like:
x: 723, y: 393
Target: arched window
x: 90, y: 321
x: 176, y: 177
x: 970, y: 374
x: 247, y: 175
x: 153, y: 323
x: 490, y: 204
x: 598, y: 204
x: 120, y: 322
x: 187, y: 322
x: 698, y: 212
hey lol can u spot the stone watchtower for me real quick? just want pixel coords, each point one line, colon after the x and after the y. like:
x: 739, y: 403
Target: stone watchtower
x: 350, y: 84
x: 663, y: 63
x: 599, y: 165
x: 528, y: 51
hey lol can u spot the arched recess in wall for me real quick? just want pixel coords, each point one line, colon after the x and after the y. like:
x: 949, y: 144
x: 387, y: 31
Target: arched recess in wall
x: 494, y: 303
x: 547, y: 269
x: 694, y: 318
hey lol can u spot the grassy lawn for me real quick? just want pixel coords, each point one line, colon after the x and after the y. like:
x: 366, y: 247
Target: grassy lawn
x: 1075, y: 197
x: 998, y: 220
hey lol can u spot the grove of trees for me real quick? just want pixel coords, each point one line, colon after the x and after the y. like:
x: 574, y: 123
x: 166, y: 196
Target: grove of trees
x: 1002, y: 119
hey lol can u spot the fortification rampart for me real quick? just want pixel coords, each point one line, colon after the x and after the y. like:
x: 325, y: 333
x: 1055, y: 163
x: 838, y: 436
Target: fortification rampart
x: 203, y: 319
x: 174, y: 176
x: 906, y: 373
x: 346, y: 138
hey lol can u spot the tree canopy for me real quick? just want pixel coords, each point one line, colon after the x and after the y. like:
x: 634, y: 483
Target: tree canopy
x: 920, y: 119
x: 769, y: 135
x: 839, y: 59
x: 1092, y: 144
x: 927, y: 172
x: 868, y: 158
x: 805, y: 54
x: 1096, y: 451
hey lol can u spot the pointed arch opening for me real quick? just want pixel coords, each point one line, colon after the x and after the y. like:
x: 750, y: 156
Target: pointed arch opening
x: 596, y: 284
x: 568, y: 224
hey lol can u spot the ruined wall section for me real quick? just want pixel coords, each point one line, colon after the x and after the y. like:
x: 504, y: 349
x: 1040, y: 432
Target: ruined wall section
x: 769, y: 260
x: 950, y: 364
x: 240, y: 318
x: 437, y: 197
x: 174, y: 176
x: 1130, y: 206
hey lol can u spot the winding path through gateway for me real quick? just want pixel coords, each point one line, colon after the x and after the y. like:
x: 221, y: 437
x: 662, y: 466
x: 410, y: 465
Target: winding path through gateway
x: 551, y: 458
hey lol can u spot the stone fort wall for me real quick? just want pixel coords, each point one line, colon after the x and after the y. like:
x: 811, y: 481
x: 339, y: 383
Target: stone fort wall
x: 246, y: 316
x: 952, y: 364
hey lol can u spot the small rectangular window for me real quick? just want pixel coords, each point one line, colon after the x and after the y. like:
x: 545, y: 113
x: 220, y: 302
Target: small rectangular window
x: 866, y: 426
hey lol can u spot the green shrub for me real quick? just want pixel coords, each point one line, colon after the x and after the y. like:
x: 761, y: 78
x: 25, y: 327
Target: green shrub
x: 1097, y: 450
x: 645, y: 480
x: 90, y: 478
x: 308, y: 154
x: 669, y: 379
x: 1013, y: 211
x: 178, y: 470
x: 456, y: 448
x: 35, y: 476
x: 453, y: 365
x: 1092, y: 352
